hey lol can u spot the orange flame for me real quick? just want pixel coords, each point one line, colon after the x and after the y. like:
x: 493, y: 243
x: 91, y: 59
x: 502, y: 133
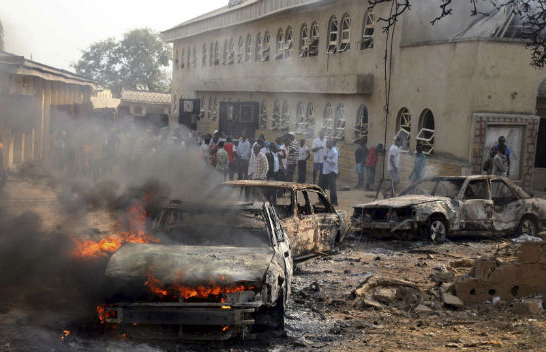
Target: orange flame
x: 212, y: 290
x: 136, y: 222
x: 65, y: 334
x: 225, y: 328
x: 103, y: 314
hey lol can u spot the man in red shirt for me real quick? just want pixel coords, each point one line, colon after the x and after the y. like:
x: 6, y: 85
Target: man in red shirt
x: 371, y: 163
x: 230, y: 149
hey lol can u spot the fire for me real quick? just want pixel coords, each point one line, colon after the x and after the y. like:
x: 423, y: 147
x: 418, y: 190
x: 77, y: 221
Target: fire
x: 103, y: 314
x: 65, y: 334
x: 135, y: 221
x: 225, y: 328
x: 212, y: 290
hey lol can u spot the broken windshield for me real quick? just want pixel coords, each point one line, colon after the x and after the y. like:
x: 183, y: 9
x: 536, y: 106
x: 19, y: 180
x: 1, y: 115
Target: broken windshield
x: 436, y: 187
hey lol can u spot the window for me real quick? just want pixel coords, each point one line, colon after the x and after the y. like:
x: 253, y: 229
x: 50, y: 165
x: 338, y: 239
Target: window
x: 248, y: 48
x: 265, y: 47
x: 361, y: 125
x: 258, y: 52
x: 231, y: 52
x: 333, y: 35
x: 367, y: 31
x: 194, y: 57
x: 340, y: 122
x: 318, y: 203
x: 176, y: 59
x: 501, y: 193
x: 285, y: 117
x: 403, y: 128
x: 310, y: 120
x: 182, y: 58
x: 204, y: 63
x: 210, y: 109
x: 263, y: 116
x: 241, y: 50
x: 288, y: 43
x: 302, y: 203
x: 328, y: 120
x: 304, y: 41
x: 216, y: 53
x: 189, y: 57
x: 476, y: 189
x: 276, y: 117
x: 300, y: 117
x: 426, y: 131
x: 215, y: 109
x: 211, y: 54
x: 280, y: 45
x: 345, y: 42
x: 225, y: 53
x: 314, y: 40
x: 306, y: 119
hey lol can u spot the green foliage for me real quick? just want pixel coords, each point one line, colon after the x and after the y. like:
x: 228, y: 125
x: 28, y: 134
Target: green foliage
x: 138, y: 62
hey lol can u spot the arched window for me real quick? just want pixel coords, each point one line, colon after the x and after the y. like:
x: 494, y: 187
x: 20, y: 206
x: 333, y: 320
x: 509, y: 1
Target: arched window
x: 211, y: 61
x: 345, y: 41
x: 225, y: 53
x: 241, y: 50
x: 285, y: 117
x: 176, y: 59
x: 258, y: 49
x: 215, y: 109
x: 314, y: 39
x: 204, y: 55
x: 368, y: 28
x: 304, y: 41
x: 210, y: 109
x: 426, y: 131
x: 306, y: 120
x: 361, y: 125
x: 288, y: 43
x: 340, y: 122
x: 328, y: 121
x: 276, y: 117
x: 333, y: 35
x: 403, y: 127
x: 216, y: 53
x: 300, y: 118
x: 248, y: 48
x: 280, y: 45
x: 189, y: 57
x: 263, y: 115
x: 182, y: 57
x: 194, y: 57
x: 265, y: 46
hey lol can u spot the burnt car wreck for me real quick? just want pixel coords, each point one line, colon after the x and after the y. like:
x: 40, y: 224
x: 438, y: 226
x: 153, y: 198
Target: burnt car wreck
x: 221, y: 271
x: 438, y: 207
x: 308, y: 218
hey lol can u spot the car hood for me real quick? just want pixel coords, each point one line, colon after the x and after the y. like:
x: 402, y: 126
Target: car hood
x: 189, y: 264
x: 402, y: 201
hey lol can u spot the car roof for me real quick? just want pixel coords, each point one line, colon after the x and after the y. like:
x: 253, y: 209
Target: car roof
x: 214, y: 205
x: 273, y: 184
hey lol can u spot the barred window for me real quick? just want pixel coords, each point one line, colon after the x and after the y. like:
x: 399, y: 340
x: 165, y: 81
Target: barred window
x: 333, y: 35
x: 368, y: 29
x: 340, y: 122
x: 248, y: 48
x: 328, y: 121
x: 361, y: 125
x: 211, y: 61
x: 426, y: 131
x: 204, y: 63
x: 231, y: 52
x: 276, y: 117
x: 304, y: 41
x: 225, y: 53
x: 263, y: 115
x: 194, y: 57
x: 216, y: 53
x: 258, y: 49
x: 182, y: 57
x: 314, y: 40
x: 189, y: 57
x: 280, y: 45
x: 345, y: 41
x: 306, y: 119
x: 403, y: 128
x: 288, y: 43
x: 285, y: 117
x: 241, y: 50
x: 265, y: 47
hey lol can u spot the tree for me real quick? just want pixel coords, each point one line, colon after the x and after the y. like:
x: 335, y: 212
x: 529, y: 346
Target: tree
x: 138, y: 62
x: 1, y: 36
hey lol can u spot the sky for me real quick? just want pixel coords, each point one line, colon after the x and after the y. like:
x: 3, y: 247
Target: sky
x: 54, y: 32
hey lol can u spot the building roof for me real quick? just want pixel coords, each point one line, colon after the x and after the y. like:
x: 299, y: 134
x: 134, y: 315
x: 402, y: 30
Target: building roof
x: 19, y: 65
x: 238, y: 13
x: 145, y: 97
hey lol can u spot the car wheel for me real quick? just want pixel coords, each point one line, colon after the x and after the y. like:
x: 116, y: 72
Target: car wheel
x: 527, y: 226
x: 436, y: 230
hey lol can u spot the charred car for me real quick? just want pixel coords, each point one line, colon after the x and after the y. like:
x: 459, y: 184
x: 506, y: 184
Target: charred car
x: 218, y: 271
x: 307, y: 216
x: 439, y: 207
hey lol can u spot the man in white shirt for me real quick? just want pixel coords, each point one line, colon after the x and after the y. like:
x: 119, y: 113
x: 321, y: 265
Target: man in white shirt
x: 394, y: 162
x: 330, y: 170
x: 303, y: 156
x: 319, y: 151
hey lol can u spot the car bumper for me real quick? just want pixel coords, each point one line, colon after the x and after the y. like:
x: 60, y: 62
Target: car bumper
x: 388, y: 226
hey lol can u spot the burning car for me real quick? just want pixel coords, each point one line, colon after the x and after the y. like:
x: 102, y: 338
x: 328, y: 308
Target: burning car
x: 307, y: 216
x: 221, y: 270
x: 439, y: 207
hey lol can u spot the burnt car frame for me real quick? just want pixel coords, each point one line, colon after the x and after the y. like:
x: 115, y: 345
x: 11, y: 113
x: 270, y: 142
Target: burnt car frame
x: 308, y: 217
x: 245, y: 287
x: 439, y: 207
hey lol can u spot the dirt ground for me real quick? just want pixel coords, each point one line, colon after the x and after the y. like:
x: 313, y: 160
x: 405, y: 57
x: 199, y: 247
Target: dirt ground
x: 324, y: 313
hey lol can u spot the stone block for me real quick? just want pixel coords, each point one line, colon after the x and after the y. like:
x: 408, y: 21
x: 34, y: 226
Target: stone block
x: 452, y: 301
x: 531, y: 306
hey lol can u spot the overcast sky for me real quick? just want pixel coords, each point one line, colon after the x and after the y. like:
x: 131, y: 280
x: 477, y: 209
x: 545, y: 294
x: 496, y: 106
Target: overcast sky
x: 55, y: 31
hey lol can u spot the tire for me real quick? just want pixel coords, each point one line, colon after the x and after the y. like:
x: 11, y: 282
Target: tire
x: 527, y: 226
x: 436, y: 230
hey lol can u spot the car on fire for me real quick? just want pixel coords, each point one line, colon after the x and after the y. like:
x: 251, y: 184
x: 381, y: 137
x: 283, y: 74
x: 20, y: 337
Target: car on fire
x: 217, y: 271
x: 307, y: 216
x: 440, y: 207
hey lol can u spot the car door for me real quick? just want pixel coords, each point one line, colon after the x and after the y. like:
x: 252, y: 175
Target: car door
x: 327, y: 219
x: 476, y: 206
x: 284, y: 247
x: 306, y: 226
x: 508, y: 206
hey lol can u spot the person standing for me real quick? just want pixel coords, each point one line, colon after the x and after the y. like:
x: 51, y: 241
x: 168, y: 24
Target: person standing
x: 419, y: 165
x: 230, y: 150
x: 292, y: 157
x: 261, y: 166
x: 303, y: 156
x: 488, y: 164
x: 204, y: 149
x: 361, y: 153
x: 502, y: 141
x: 283, y: 154
x: 243, y: 152
x: 500, y: 162
x: 330, y: 170
x: 394, y: 163
x: 222, y: 160
x: 319, y: 150
x: 371, y: 163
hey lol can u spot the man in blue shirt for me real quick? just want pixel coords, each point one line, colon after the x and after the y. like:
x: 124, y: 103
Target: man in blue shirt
x: 330, y: 170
